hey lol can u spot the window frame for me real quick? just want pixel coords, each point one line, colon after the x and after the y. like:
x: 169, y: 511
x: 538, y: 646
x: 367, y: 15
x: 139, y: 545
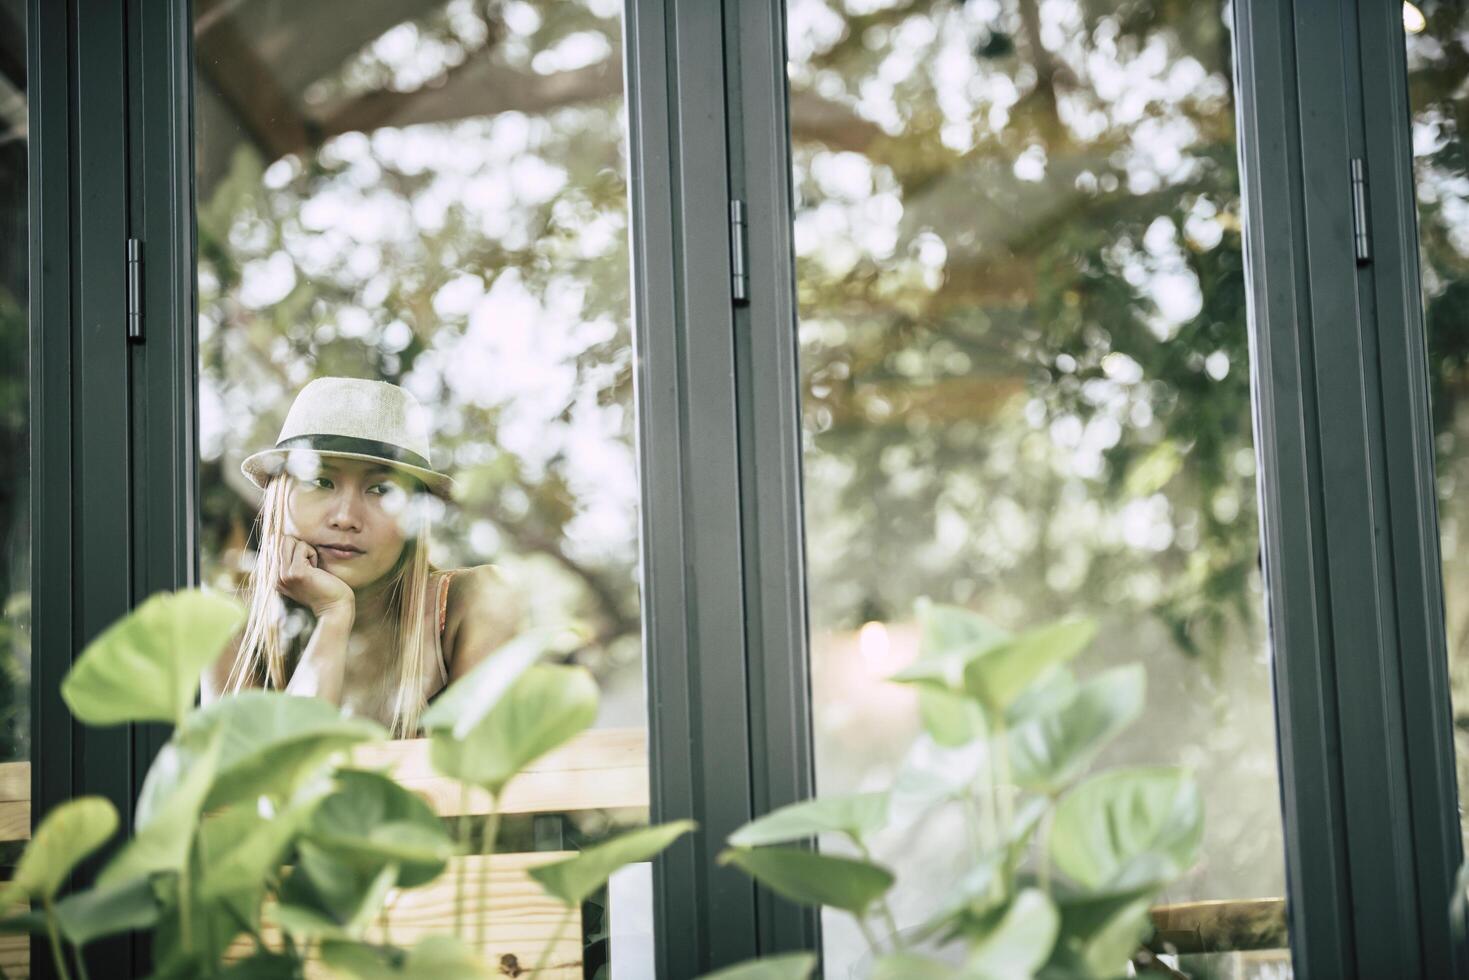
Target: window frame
x: 1347, y: 499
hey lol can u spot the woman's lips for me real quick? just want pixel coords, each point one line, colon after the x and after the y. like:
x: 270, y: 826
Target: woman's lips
x: 340, y: 554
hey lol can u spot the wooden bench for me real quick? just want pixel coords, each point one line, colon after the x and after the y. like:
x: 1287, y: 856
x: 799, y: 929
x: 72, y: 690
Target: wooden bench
x: 603, y: 769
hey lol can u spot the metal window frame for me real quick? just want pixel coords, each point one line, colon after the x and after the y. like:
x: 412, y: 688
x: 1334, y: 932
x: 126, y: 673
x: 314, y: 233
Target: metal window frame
x: 1347, y: 497
x: 82, y: 485
x: 1349, y: 528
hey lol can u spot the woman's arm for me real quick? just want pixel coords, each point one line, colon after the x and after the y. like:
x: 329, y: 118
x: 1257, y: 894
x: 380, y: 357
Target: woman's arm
x: 484, y: 612
x: 323, y: 663
x: 217, y: 675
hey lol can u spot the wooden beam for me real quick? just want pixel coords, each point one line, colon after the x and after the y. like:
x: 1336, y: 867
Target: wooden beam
x: 266, y: 112
x: 1220, y: 926
x: 603, y: 769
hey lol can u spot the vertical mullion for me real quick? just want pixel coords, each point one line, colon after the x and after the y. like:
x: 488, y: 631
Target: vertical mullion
x: 1408, y: 453
x: 1374, y: 779
x: 1293, y: 536
x: 688, y: 456
x: 100, y: 475
x: 770, y: 441
x: 48, y: 46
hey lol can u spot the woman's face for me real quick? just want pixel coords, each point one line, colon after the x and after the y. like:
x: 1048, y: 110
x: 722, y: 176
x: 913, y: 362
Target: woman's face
x: 353, y: 512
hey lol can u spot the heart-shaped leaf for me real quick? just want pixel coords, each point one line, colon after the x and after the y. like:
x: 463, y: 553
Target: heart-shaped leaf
x: 65, y: 837
x: 545, y: 707
x: 369, y: 821
x: 432, y: 958
x: 256, y: 851
x: 1048, y: 694
x: 1019, y: 943
x: 1127, y: 828
x: 949, y: 638
x: 1049, y: 752
x: 1003, y: 673
x: 1099, y: 933
x: 466, y: 702
x: 948, y: 718
x: 912, y: 966
x: 943, y: 628
x: 325, y: 897
x: 272, y: 742
x: 107, y: 911
x: 853, y: 815
x: 573, y: 879
x: 169, y: 809
x: 87, y: 915
x: 791, y: 966
x: 146, y: 666
x: 810, y: 878
x: 214, y: 921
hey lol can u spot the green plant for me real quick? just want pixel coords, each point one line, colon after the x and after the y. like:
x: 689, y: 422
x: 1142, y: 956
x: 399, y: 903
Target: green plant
x: 1061, y: 866
x: 251, y: 814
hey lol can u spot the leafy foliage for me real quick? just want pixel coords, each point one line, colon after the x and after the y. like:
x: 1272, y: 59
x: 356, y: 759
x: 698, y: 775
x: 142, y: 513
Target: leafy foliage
x: 1062, y: 867
x: 251, y: 806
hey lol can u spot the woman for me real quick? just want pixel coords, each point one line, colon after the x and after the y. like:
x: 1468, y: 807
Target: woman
x: 343, y: 602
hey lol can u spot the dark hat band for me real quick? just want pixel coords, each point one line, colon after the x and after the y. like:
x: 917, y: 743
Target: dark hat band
x: 351, y: 444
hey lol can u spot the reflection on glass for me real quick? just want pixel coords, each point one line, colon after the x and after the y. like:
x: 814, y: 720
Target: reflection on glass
x: 1438, y: 62
x: 15, y: 527
x: 1026, y: 391
x: 430, y: 195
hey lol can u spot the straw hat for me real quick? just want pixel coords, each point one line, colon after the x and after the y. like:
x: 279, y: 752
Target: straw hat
x: 351, y: 418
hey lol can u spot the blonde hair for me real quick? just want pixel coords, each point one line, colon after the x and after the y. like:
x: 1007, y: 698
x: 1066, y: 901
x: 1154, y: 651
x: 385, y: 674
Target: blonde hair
x: 261, y: 657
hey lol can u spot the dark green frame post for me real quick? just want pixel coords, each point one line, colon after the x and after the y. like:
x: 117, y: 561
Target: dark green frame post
x: 767, y: 371
x: 694, y: 602
x: 1346, y: 497
x: 81, y: 481
x: 1392, y: 282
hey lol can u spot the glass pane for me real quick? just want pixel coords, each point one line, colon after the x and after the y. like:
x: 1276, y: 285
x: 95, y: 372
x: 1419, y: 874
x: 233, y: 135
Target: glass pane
x: 1026, y: 392
x: 1438, y: 58
x: 433, y: 196
x: 15, y: 363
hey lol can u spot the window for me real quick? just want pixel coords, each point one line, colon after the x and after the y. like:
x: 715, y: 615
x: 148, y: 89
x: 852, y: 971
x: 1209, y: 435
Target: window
x: 435, y: 197
x: 1026, y: 390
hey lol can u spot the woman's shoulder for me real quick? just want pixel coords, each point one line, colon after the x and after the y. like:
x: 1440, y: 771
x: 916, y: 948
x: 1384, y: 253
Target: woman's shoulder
x: 481, y: 589
x: 483, y: 611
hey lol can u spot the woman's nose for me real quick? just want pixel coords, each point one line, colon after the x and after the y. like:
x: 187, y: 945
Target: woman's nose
x: 344, y: 515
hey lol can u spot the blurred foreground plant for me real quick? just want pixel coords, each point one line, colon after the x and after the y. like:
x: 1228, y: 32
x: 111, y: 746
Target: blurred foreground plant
x: 251, y: 814
x: 1060, y: 866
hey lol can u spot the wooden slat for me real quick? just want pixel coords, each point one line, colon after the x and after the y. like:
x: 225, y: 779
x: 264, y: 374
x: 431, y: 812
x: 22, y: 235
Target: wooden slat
x: 1221, y: 926
x: 15, y: 801
x: 15, y: 951
x: 600, y: 748
x: 15, y: 820
x: 15, y: 781
x: 521, y: 924
x: 600, y: 769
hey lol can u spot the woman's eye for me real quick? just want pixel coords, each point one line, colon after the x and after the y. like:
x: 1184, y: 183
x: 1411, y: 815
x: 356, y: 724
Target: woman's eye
x: 317, y: 483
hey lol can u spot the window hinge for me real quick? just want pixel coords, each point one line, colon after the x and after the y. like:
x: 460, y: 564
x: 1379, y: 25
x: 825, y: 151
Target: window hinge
x: 1362, y: 243
x: 739, y: 274
x: 135, y: 290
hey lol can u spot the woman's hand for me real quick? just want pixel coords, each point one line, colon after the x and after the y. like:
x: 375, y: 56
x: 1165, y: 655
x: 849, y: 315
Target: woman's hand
x: 304, y: 580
